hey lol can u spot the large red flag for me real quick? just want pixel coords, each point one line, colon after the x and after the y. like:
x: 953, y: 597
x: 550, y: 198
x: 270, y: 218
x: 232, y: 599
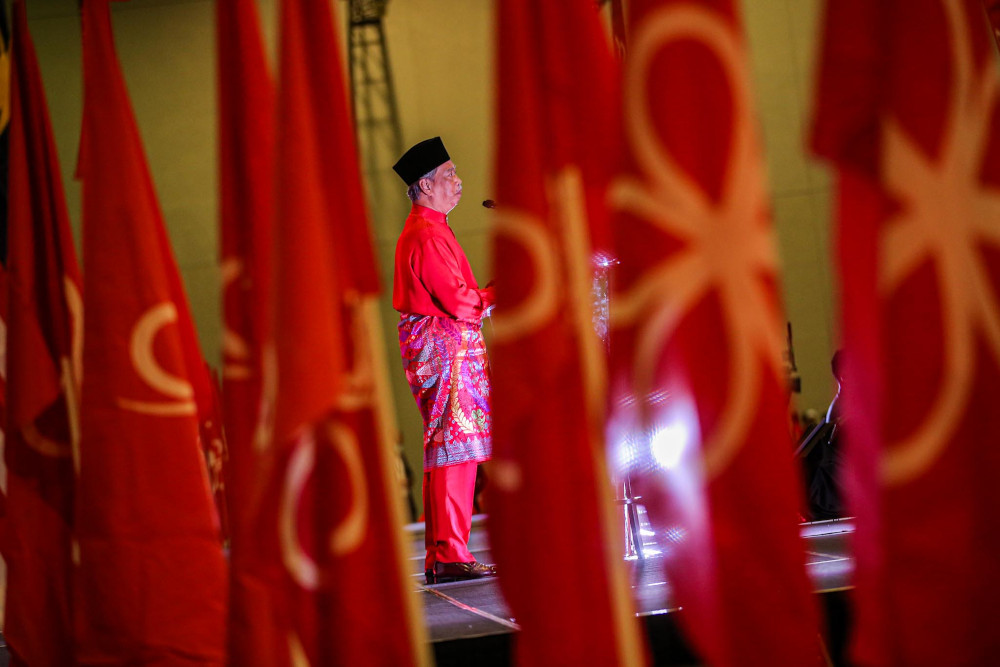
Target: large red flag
x: 907, y: 111
x: 4, y: 124
x: 3, y: 371
x: 3, y: 404
x: 700, y: 415
x: 550, y: 525
x: 44, y: 334
x: 151, y: 584
x: 993, y: 13
x: 246, y: 187
x: 3, y: 408
x: 327, y: 516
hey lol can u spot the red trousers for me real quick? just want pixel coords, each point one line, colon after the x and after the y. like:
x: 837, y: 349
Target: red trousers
x: 448, y: 496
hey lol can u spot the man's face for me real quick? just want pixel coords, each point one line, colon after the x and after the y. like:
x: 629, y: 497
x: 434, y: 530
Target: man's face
x: 445, y: 188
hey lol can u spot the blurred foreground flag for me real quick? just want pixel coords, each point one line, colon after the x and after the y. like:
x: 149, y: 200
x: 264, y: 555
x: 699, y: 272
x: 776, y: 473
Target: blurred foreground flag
x: 44, y: 335
x: 5, y: 74
x: 326, y: 514
x: 4, y: 125
x: 993, y: 12
x: 151, y: 584
x: 246, y: 211
x: 550, y: 511
x: 907, y: 112
x: 699, y: 410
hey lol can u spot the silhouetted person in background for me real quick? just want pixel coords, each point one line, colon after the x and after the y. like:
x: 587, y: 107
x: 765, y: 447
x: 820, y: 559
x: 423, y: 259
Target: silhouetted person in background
x: 825, y: 498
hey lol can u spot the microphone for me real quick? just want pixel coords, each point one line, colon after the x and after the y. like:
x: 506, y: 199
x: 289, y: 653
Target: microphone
x: 489, y: 203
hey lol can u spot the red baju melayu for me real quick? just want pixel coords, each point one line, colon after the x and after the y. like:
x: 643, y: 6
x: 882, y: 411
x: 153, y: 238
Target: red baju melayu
x: 440, y: 340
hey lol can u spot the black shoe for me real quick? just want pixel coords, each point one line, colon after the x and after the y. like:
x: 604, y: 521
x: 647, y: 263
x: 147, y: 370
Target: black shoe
x: 429, y: 576
x: 445, y: 572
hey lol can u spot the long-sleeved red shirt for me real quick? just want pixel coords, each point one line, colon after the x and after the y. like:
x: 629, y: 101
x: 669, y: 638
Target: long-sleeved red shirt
x: 432, y: 275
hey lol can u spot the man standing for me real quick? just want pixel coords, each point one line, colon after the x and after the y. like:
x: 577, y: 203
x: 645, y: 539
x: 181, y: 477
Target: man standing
x: 440, y: 339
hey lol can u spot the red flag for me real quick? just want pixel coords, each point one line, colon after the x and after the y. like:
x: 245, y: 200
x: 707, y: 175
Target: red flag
x: 993, y: 12
x: 328, y: 518
x: 3, y: 397
x: 618, y: 26
x: 552, y: 497
x: 907, y: 111
x: 151, y: 582
x: 44, y: 336
x: 3, y: 405
x: 4, y: 125
x: 3, y: 359
x: 246, y: 160
x: 697, y: 340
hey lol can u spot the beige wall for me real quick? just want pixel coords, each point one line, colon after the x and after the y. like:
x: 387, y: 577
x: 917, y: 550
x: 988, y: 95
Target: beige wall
x: 166, y: 52
x: 783, y: 37
x: 441, y: 53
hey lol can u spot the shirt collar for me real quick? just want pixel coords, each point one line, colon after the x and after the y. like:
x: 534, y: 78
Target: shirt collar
x: 429, y: 214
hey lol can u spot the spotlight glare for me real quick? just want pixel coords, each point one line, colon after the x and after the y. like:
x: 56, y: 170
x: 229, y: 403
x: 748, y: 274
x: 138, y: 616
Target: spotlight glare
x: 667, y: 445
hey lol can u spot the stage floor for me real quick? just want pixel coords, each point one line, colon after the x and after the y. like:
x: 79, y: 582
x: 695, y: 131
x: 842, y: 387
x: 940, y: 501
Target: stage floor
x: 476, y: 609
x: 469, y: 622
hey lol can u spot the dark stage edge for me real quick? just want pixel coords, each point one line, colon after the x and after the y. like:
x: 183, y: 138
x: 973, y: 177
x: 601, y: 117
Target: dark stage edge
x: 468, y: 623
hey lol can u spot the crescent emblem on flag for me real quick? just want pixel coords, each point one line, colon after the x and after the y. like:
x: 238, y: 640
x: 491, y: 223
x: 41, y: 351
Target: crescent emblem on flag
x: 263, y: 435
x: 235, y: 350
x: 946, y: 213
x: 359, y: 381
x: 728, y: 249
x: 568, y: 203
x: 149, y: 370
x: 69, y: 377
x: 296, y: 652
x: 43, y: 445
x: 567, y: 206
x: 348, y: 535
x: 4, y: 85
x: 525, y: 229
x: 74, y: 305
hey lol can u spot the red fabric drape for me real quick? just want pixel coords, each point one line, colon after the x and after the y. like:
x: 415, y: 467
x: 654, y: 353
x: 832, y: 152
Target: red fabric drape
x: 43, y: 356
x: 246, y: 209
x: 993, y: 13
x: 700, y: 405
x: 151, y: 581
x: 327, y: 517
x: 906, y: 111
x: 550, y: 526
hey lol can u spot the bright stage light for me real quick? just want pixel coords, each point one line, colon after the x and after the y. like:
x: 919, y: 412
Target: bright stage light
x: 667, y: 445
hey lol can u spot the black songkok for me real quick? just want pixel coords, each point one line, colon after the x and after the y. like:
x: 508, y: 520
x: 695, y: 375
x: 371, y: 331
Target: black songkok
x: 422, y: 158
